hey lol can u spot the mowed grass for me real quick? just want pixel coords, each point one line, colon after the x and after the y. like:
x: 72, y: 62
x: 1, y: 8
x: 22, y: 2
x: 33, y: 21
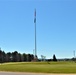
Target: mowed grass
x: 40, y: 67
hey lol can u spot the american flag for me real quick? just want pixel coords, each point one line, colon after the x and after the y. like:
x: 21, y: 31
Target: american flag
x: 35, y: 16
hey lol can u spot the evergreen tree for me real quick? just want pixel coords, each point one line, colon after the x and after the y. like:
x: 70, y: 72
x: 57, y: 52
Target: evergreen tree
x: 54, y: 58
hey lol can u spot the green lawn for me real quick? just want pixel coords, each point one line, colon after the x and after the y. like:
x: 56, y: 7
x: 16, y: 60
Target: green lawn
x: 40, y: 67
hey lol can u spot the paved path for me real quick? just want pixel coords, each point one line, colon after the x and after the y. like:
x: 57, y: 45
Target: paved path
x: 17, y: 73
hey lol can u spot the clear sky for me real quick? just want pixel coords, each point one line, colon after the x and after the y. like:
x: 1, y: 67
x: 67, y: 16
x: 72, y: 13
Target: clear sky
x: 56, y: 27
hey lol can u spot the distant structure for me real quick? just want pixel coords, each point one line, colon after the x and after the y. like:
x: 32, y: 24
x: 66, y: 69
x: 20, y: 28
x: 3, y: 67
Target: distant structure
x: 43, y: 58
x: 74, y: 53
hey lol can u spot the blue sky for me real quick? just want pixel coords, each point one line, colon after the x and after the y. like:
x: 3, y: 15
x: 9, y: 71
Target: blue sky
x: 56, y: 27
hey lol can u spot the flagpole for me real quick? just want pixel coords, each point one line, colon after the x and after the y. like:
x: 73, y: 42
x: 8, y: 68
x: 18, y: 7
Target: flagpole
x: 35, y: 35
x: 35, y: 40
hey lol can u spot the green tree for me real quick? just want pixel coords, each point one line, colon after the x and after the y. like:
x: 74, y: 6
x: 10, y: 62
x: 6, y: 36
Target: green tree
x: 9, y: 57
x: 24, y: 57
x: 15, y: 56
x: 1, y: 57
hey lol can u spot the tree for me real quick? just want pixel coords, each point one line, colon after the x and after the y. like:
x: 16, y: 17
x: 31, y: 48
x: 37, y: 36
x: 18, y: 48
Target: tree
x: 19, y: 57
x: 15, y: 56
x: 54, y: 58
x: 24, y: 57
x: 32, y: 57
x: 29, y: 57
x: 9, y: 57
x: 1, y: 57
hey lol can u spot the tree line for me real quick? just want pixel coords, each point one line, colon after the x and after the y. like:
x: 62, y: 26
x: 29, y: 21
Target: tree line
x: 15, y: 57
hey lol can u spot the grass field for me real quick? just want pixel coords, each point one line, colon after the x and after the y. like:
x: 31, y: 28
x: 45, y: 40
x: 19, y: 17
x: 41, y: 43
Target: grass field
x: 40, y: 67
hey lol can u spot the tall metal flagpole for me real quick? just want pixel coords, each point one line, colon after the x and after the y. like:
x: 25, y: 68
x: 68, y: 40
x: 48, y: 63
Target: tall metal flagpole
x: 35, y: 35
